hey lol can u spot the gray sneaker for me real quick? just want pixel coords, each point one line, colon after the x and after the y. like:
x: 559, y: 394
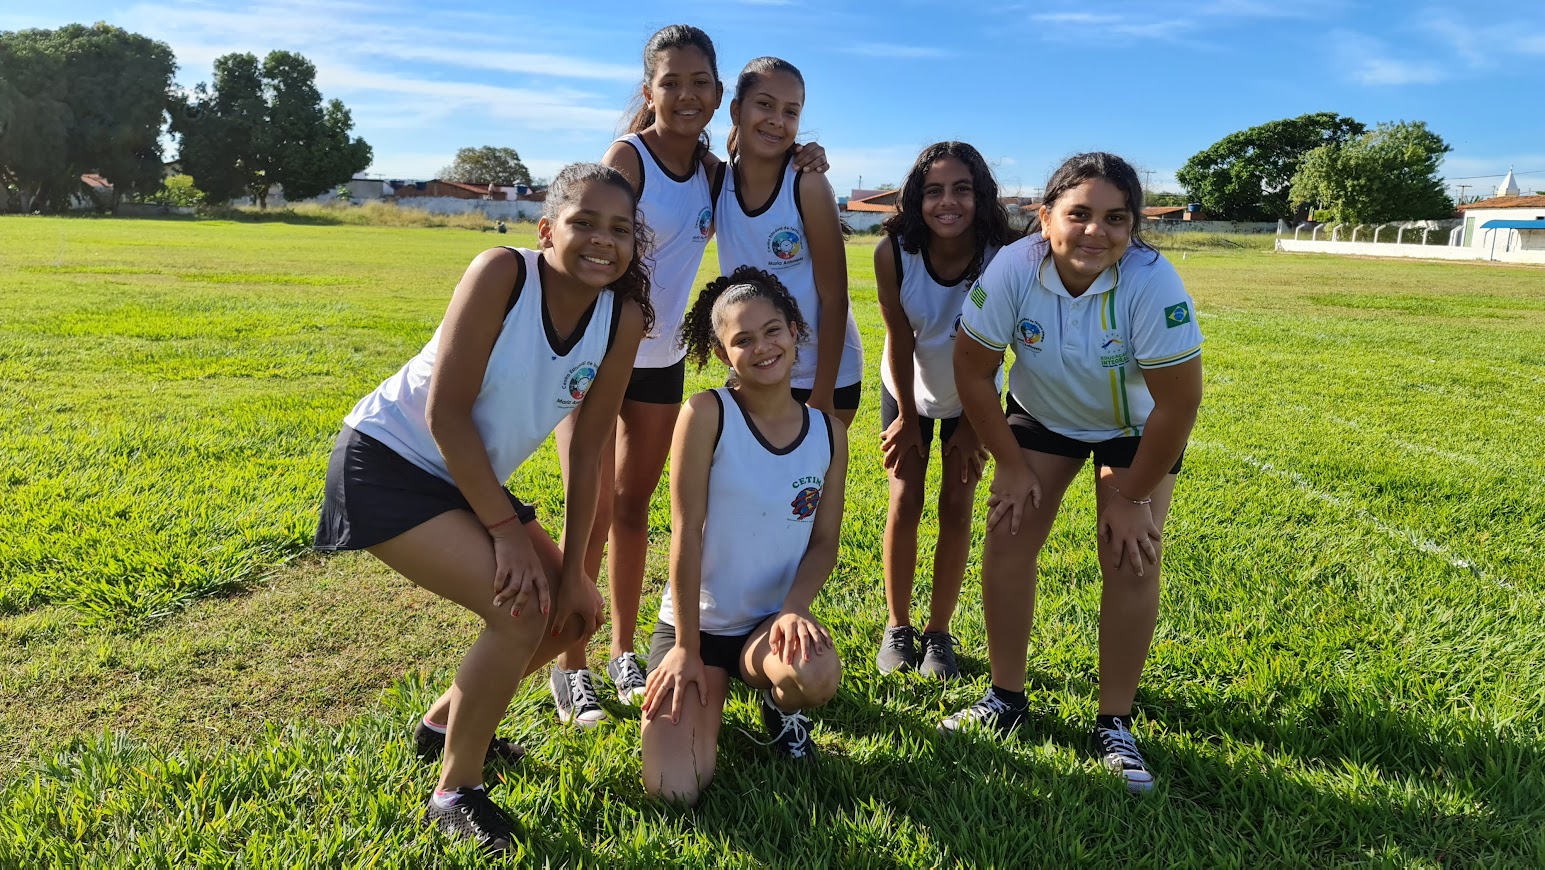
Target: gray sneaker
x: 898, y: 649
x: 575, y: 697
x: 939, y: 656
x: 627, y: 674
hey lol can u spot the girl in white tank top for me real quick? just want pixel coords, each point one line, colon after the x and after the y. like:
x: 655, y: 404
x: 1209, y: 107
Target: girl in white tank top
x: 776, y: 218
x: 948, y: 226
x: 665, y: 152
x: 757, y: 484
x: 418, y: 475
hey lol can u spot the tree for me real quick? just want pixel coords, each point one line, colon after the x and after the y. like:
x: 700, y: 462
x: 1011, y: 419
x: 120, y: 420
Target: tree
x: 1387, y: 174
x: 487, y: 165
x: 260, y: 125
x: 1246, y: 176
x: 177, y: 191
x: 81, y: 100
x: 1166, y: 198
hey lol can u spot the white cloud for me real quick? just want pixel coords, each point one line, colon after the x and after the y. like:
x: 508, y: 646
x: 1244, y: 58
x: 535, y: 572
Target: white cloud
x: 1369, y: 62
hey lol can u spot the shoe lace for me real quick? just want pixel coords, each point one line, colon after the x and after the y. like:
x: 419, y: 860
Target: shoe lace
x: 1119, y: 741
x: 485, y: 817
x: 796, y: 727
x: 990, y: 705
x: 941, y: 644
x: 899, y: 638
x: 628, y: 671
x: 582, y: 692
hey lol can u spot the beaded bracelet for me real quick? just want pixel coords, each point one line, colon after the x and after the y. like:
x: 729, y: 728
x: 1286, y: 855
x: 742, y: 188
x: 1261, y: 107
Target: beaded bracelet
x: 1148, y: 500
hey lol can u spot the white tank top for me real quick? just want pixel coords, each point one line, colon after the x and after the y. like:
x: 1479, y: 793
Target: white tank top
x: 533, y: 380
x: 761, y: 507
x: 932, y: 307
x: 679, y: 211
x: 771, y: 236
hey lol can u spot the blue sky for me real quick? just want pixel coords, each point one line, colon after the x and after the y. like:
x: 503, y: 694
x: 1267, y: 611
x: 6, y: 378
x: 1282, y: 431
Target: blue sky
x: 1027, y: 83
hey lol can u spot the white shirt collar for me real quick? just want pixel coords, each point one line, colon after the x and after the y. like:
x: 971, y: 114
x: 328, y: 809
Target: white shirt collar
x: 1052, y: 281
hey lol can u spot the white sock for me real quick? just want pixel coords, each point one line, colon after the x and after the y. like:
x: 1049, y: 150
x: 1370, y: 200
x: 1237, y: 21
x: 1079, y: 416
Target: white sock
x: 438, y: 729
x: 445, y: 799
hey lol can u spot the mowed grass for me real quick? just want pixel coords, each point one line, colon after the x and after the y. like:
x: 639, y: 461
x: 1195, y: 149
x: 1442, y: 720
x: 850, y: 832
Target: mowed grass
x: 1346, y: 669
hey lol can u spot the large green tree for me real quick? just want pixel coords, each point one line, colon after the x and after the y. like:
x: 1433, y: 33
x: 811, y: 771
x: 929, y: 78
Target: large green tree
x: 1387, y: 174
x: 81, y: 100
x: 487, y: 165
x: 1247, y: 176
x: 263, y: 124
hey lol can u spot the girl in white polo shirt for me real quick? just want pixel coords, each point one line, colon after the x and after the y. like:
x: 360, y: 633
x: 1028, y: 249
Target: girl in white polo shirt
x: 666, y: 154
x: 757, y: 484
x: 417, y: 474
x: 1107, y: 361
x: 948, y: 227
x: 773, y: 216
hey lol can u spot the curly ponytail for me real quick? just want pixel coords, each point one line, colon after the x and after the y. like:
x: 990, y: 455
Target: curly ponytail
x: 700, y: 329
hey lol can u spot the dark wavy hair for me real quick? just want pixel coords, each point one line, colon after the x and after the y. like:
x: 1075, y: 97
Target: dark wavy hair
x: 664, y: 39
x: 568, y: 186
x: 1107, y: 167
x: 700, y: 330
x: 991, y: 221
x: 748, y: 79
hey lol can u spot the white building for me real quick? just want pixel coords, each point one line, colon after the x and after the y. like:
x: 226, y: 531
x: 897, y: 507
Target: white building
x: 1505, y: 223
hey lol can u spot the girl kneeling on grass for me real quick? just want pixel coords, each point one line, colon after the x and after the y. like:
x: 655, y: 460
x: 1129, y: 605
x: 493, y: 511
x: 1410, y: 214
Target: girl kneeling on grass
x: 948, y: 227
x: 757, y: 485
x: 416, y: 477
x: 1107, y: 360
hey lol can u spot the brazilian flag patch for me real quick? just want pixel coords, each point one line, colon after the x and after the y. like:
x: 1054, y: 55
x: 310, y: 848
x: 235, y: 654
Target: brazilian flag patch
x: 1177, y: 315
x: 978, y: 295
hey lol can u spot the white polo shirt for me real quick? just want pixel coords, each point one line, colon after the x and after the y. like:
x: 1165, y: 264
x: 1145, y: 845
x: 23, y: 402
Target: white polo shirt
x: 1078, y: 362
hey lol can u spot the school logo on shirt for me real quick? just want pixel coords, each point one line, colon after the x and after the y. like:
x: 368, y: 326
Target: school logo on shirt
x: 704, y: 222
x: 978, y: 295
x: 955, y: 328
x: 1031, y: 334
x: 807, y: 499
x: 1113, y: 350
x: 784, y: 244
x: 577, y: 383
x: 1177, y: 315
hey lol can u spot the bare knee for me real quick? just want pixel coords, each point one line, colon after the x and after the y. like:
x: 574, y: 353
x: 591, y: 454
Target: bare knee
x: 906, y: 498
x: 814, y: 682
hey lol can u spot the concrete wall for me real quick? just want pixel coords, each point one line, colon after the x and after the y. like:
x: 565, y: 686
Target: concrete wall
x: 1245, y: 227
x: 495, y: 209
x: 1422, y: 252
x: 864, y: 220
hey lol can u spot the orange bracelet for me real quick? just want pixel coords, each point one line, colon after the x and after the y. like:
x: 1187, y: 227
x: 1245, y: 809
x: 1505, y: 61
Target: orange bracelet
x: 503, y: 522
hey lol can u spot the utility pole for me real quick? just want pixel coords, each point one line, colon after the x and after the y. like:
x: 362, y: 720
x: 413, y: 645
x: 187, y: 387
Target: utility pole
x: 1147, y: 179
x: 1462, y: 189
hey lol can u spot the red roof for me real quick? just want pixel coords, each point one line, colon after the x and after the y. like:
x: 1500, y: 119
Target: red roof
x: 881, y: 202
x: 1507, y: 202
x: 1161, y: 210
x: 96, y: 181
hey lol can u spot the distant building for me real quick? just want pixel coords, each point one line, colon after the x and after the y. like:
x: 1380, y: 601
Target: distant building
x: 1506, y: 222
x: 878, y: 201
x: 454, y: 189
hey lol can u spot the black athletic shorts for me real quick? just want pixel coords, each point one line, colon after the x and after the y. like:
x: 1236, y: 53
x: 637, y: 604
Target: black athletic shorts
x: 843, y: 398
x: 721, y: 651
x: 1033, y: 435
x: 663, y: 386
x: 373, y: 495
x: 890, y: 410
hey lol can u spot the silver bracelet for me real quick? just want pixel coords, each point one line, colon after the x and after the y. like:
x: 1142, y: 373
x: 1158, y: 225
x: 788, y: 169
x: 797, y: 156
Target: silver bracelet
x: 1148, y: 500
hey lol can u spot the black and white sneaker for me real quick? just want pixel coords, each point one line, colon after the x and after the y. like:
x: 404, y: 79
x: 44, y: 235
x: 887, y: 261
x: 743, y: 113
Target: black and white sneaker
x: 790, y: 731
x: 575, y: 697
x: 429, y: 745
x: 939, y: 656
x: 474, y: 816
x: 898, y: 649
x: 627, y: 674
x: 1116, y: 749
x: 992, y: 712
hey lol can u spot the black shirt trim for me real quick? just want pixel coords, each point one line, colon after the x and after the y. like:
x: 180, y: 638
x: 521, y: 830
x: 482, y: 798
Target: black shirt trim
x: 928, y: 264
x: 679, y: 179
x: 776, y: 191
x: 520, y: 278
x: 716, y: 184
x: 719, y: 429
x: 896, y: 253
x: 611, y: 335
x: 776, y: 451
x: 562, y: 346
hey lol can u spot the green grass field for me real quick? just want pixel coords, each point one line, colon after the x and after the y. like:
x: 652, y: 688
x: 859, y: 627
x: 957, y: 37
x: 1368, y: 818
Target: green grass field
x: 1347, y: 668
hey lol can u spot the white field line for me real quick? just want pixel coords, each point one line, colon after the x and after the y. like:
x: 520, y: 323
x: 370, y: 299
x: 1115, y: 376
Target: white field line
x: 1398, y: 533
x: 1413, y: 446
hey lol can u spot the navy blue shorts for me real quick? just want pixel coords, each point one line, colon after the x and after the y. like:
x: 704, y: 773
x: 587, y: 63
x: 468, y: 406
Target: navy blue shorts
x: 1032, y: 434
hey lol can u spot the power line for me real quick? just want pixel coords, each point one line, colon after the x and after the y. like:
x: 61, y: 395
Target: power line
x: 1498, y: 175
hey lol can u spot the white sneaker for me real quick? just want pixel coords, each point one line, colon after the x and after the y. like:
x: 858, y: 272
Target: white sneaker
x: 1116, y: 749
x: 627, y: 674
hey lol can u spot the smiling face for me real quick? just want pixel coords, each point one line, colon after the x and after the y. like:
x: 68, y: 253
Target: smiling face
x: 684, y: 91
x: 591, y: 239
x: 767, y: 117
x: 1089, y: 227
x: 949, y: 198
x: 756, y: 341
